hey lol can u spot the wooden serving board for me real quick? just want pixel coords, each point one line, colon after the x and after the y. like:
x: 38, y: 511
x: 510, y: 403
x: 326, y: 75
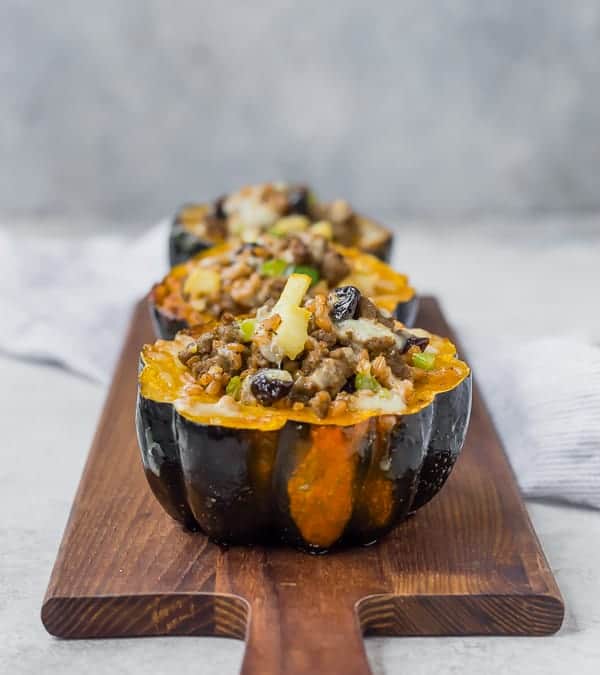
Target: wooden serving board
x: 469, y: 563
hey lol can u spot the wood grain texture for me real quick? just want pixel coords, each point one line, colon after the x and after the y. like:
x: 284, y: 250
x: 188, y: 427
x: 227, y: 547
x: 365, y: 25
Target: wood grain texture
x: 468, y: 563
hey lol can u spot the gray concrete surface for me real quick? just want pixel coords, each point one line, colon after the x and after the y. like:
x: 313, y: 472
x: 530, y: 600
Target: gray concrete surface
x: 124, y: 109
x: 509, y: 281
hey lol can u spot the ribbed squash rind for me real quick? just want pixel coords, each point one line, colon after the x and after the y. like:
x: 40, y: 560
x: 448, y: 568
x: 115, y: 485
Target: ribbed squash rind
x: 245, y: 486
x: 166, y: 325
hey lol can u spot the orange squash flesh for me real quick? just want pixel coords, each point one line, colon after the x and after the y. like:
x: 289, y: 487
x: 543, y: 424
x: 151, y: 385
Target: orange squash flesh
x: 165, y: 379
x: 320, y: 489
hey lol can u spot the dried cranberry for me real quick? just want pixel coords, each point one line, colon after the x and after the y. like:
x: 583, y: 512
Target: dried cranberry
x: 344, y: 302
x: 270, y: 385
x: 218, y: 208
x: 298, y: 200
x: 350, y: 385
x: 415, y: 341
x: 246, y: 246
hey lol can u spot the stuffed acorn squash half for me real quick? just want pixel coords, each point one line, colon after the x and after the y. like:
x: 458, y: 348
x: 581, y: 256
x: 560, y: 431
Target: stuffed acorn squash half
x: 239, y: 278
x: 276, y: 208
x: 318, y: 422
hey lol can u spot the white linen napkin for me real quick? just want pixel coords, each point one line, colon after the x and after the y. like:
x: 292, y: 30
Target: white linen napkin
x: 69, y: 302
x: 544, y: 396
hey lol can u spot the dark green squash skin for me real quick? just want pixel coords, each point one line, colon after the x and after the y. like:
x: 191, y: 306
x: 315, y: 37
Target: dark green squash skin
x: 184, y: 245
x: 384, y: 250
x: 161, y: 461
x: 166, y: 326
x: 232, y: 483
x: 407, y: 311
x: 444, y: 444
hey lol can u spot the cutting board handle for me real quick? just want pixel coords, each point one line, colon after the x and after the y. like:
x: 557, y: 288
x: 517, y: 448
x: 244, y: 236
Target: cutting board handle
x: 323, y: 641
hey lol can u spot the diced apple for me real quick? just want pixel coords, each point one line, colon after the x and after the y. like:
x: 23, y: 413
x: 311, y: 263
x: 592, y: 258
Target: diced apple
x: 292, y: 333
x: 323, y: 228
x: 289, y: 225
x: 202, y: 282
x: 293, y: 292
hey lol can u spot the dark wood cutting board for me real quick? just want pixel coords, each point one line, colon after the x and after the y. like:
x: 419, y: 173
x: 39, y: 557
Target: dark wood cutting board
x: 469, y: 563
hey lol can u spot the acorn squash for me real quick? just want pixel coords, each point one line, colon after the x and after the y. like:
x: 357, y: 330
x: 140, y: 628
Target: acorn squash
x: 245, y: 214
x: 245, y: 471
x: 189, y: 294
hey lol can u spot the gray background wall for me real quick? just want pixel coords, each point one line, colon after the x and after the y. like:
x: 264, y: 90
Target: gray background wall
x: 121, y: 109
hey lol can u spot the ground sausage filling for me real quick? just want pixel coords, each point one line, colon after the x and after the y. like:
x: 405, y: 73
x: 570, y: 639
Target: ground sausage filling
x: 334, y: 352
x: 239, y: 279
x: 243, y: 279
x: 275, y: 208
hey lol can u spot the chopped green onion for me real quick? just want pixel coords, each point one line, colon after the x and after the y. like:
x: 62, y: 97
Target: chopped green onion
x: 312, y: 272
x: 247, y: 327
x: 424, y: 360
x: 234, y: 387
x: 274, y: 268
x: 362, y: 381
